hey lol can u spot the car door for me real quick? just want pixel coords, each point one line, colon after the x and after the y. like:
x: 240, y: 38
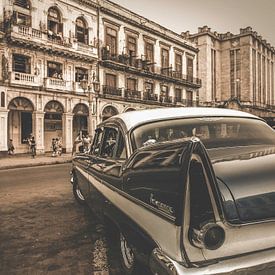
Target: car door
x: 109, y: 154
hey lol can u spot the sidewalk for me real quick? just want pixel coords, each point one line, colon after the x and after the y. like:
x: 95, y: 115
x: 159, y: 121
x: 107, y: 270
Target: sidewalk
x: 25, y: 160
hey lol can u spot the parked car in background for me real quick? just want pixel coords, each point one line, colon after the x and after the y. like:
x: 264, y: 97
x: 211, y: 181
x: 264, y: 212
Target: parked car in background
x: 187, y: 190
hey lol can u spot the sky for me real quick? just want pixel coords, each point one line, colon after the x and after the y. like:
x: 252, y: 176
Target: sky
x: 219, y: 15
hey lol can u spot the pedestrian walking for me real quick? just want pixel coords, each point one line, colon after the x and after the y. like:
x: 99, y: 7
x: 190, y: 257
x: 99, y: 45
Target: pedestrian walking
x: 10, y: 147
x: 54, y: 147
x: 59, y: 146
x: 86, y: 143
x: 33, y: 147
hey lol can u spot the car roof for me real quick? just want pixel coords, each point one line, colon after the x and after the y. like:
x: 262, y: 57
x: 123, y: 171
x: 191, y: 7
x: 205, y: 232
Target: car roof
x: 134, y: 118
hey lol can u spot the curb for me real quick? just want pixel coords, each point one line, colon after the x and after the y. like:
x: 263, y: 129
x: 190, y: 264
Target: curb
x: 26, y: 165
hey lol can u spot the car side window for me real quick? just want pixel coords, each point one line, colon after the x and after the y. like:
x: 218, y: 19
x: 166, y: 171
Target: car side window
x: 121, y: 148
x: 109, y: 143
x: 97, y: 142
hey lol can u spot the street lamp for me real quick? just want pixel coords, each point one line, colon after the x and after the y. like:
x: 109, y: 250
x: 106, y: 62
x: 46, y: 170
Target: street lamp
x: 93, y: 90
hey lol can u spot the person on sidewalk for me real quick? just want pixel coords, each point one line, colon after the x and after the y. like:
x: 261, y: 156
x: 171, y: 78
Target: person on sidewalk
x: 59, y: 146
x: 10, y: 147
x: 54, y: 147
x: 33, y: 147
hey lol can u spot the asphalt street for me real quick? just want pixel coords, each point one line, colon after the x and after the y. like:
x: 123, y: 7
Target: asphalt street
x: 43, y: 230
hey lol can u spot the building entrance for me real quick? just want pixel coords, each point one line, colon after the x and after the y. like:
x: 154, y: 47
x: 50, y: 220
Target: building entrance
x: 52, y: 123
x: 20, y: 123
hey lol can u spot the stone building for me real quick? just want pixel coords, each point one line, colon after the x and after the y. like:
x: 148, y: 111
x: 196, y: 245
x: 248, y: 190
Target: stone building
x: 66, y: 66
x: 237, y: 71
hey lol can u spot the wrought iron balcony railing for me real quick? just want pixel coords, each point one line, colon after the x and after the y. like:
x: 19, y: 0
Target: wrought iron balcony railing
x: 109, y: 90
x: 150, y: 96
x: 132, y: 94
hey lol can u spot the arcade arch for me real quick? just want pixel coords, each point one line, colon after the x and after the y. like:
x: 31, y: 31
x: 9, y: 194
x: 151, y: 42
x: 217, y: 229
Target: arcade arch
x: 52, y: 123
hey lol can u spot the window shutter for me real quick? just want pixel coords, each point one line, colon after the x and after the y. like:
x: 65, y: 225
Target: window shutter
x: 28, y: 21
x: 86, y: 36
x: 60, y: 28
x: 14, y: 17
x: 28, y: 65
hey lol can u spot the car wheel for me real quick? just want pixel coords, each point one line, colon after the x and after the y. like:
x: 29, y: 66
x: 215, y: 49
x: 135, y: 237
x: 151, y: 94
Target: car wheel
x: 77, y: 192
x: 128, y: 260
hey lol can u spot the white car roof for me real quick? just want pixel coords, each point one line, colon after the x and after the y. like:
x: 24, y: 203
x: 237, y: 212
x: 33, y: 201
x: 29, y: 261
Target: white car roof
x: 134, y: 118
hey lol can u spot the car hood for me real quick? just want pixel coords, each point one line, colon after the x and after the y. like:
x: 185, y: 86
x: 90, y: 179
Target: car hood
x: 246, y: 179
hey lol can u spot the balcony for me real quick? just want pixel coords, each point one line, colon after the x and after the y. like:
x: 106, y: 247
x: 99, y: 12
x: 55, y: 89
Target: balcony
x: 166, y: 99
x: 17, y: 78
x: 84, y: 48
x: 50, y: 40
x: 132, y: 95
x: 109, y: 91
x: 150, y: 96
x: 57, y: 84
x: 126, y: 63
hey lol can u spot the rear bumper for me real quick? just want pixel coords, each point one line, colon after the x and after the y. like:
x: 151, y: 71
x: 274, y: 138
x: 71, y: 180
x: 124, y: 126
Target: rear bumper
x: 256, y: 263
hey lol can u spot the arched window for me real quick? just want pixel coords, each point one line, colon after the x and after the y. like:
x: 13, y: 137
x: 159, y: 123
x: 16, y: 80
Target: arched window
x: 2, y: 99
x: 81, y: 30
x: 109, y: 111
x: 22, y: 3
x: 55, y: 26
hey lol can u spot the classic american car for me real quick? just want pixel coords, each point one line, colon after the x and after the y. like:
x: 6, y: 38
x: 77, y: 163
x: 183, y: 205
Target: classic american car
x: 187, y: 190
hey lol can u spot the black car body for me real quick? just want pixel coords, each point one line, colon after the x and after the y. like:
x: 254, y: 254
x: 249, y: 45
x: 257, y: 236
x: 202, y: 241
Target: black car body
x: 190, y: 190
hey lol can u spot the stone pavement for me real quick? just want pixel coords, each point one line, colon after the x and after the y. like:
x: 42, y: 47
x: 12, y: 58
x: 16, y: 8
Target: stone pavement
x: 25, y: 160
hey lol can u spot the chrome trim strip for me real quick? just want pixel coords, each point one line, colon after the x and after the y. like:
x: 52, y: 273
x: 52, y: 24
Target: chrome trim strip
x: 247, y: 264
x: 158, y: 228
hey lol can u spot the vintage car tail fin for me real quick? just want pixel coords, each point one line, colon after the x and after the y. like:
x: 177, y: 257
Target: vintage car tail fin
x: 157, y: 174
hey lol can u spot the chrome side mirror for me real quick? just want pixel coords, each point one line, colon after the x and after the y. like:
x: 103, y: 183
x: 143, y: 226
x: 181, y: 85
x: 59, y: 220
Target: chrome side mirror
x: 210, y: 236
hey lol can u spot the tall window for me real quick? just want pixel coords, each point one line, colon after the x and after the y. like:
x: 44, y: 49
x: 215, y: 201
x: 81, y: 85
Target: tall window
x: 131, y: 45
x: 254, y: 55
x: 111, y: 80
x: 131, y: 84
x: 2, y: 99
x: 213, y: 74
x: 178, y: 64
x: 272, y: 84
x: 235, y: 73
x: 54, y: 70
x: 21, y: 63
x: 164, y: 93
x: 189, y: 98
x: 21, y: 19
x: 189, y: 68
x: 111, y: 40
x: 259, y: 77
x: 178, y: 95
x: 149, y: 55
x: 264, y: 79
x: 165, y: 61
x: 80, y: 74
x: 81, y: 31
x: 54, y: 21
x: 268, y: 82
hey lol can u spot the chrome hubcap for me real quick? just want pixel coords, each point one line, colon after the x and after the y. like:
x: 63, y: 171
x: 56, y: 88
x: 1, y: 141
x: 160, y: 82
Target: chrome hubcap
x: 127, y: 253
x: 79, y: 194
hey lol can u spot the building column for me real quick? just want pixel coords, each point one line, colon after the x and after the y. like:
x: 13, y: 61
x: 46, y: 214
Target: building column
x: 67, y: 132
x: 3, y: 130
x: 38, y: 130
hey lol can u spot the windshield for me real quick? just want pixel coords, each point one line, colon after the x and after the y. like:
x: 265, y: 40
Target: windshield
x: 215, y: 132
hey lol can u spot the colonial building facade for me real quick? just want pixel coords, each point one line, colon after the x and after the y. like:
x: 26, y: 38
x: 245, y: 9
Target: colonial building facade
x: 66, y: 66
x: 237, y: 71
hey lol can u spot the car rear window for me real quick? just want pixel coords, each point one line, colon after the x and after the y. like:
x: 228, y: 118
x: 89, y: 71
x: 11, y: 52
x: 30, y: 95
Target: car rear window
x: 215, y: 132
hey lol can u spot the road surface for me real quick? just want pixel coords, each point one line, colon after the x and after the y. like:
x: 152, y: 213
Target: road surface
x: 43, y: 230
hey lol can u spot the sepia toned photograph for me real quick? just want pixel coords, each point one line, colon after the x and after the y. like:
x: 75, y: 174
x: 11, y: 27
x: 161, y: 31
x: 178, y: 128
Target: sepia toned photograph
x: 137, y: 137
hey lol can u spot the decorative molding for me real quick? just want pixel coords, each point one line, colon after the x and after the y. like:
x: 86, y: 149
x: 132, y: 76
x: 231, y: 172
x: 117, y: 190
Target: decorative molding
x: 131, y: 32
x: 111, y: 23
x: 178, y: 50
x: 149, y: 39
x: 165, y: 45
